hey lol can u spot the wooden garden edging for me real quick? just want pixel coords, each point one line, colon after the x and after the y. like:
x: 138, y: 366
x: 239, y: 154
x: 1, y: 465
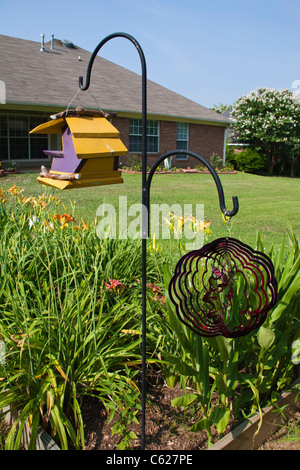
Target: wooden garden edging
x: 243, y: 436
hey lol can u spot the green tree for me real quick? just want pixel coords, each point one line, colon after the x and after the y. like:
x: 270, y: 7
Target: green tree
x: 269, y: 119
x: 220, y: 108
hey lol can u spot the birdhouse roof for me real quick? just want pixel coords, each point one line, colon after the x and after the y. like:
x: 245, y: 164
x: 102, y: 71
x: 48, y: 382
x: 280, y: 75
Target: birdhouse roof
x: 83, y: 126
x: 92, y: 136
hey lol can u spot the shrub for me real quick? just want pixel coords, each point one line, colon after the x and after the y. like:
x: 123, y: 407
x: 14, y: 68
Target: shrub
x: 134, y: 163
x: 216, y: 161
x: 248, y: 160
x: 230, y: 156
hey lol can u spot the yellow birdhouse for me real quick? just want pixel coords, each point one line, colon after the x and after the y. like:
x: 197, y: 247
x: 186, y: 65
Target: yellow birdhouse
x: 91, y: 148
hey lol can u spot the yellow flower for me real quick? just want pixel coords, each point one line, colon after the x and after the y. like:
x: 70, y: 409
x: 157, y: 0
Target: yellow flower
x: 155, y: 247
x: 2, y: 196
x: 31, y: 200
x: 15, y: 191
x: 201, y: 226
x: 54, y: 198
x: 84, y: 225
x: 226, y: 218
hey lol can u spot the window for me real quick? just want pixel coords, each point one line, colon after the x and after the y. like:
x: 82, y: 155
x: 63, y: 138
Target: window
x: 135, y: 136
x: 18, y: 137
x: 37, y: 142
x: 182, y: 139
x: 15, y: 141
x: 3, y: 138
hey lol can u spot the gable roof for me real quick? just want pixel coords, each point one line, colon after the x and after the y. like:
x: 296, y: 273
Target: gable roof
x: 50, y: 78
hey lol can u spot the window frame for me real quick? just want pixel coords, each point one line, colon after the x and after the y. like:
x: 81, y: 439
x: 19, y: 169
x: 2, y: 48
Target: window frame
x: 32, y: 121
x: 136, y: 124
x: 183, y: 140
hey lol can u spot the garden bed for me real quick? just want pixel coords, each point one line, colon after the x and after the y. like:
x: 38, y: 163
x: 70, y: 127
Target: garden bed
x: 167, y: 427
x: 182, y: 170
x: 7, y: 172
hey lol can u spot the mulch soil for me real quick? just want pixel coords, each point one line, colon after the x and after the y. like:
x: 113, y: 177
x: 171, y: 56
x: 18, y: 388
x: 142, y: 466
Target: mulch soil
x: 166, y: 427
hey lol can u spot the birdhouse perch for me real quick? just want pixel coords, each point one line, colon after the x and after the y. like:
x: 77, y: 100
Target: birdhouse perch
x: 91, y: 150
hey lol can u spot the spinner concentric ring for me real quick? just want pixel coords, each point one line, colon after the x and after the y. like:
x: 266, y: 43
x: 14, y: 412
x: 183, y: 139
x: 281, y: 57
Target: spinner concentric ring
x: 225, y: 288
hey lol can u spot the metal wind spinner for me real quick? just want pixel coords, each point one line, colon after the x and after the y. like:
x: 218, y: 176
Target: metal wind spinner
x: 225, y: 288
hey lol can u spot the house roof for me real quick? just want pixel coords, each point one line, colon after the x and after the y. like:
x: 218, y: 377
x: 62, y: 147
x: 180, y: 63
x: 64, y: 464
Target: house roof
x: 50, y: 78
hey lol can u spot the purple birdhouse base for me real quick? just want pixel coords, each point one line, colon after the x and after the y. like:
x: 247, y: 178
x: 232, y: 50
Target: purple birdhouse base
x: 67, y: 160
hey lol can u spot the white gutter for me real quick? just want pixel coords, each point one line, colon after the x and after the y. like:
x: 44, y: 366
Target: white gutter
x: 224, y: 147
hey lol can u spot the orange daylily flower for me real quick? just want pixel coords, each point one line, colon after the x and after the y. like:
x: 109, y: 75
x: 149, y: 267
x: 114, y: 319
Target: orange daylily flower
x: 64, y: 219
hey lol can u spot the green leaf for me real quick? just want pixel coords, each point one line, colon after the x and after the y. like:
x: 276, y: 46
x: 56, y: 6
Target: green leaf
x: 184, y: 400
x: 286, y: 298
x: 171, y: 378
x: 167, y: 275
x: 204, y: 368
x: 200, y: 425
x: 33, y: 430
x: 265, y: 337
x: 180, y: 366
x: 224, y: 347
x: 220, y: 417
x: 57, y: 422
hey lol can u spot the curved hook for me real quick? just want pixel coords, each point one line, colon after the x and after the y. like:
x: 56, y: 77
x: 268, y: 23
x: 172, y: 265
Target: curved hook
x: 212, y: 172
x: 94, y: 54
x: 144, y: 88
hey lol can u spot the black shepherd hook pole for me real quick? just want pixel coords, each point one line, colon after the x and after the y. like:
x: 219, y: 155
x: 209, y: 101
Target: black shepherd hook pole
x: 144, y: 197
x: 146, y: 183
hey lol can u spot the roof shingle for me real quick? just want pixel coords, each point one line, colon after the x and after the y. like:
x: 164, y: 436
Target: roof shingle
x: 50, y: 78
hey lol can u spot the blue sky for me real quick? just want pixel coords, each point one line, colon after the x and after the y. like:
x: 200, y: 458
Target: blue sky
x: 209, y: 51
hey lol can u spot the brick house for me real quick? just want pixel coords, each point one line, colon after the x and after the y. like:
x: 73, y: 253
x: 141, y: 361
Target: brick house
x: 38, y: 79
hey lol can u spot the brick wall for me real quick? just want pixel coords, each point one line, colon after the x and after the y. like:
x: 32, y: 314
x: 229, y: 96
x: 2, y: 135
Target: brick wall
x: 203, y: 139
x: 122, y: 124
x: 206, y: 140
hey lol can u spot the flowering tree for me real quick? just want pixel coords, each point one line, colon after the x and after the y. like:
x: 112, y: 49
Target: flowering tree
x: 269, y: 119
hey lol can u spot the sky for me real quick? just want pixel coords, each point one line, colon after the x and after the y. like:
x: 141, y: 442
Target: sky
x: 211, y: 52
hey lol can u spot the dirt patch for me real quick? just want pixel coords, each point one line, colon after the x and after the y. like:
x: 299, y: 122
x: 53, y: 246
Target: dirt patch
x: 167, y: 427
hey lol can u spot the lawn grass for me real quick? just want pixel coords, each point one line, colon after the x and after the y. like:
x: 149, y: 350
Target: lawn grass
x: 267, y: 204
